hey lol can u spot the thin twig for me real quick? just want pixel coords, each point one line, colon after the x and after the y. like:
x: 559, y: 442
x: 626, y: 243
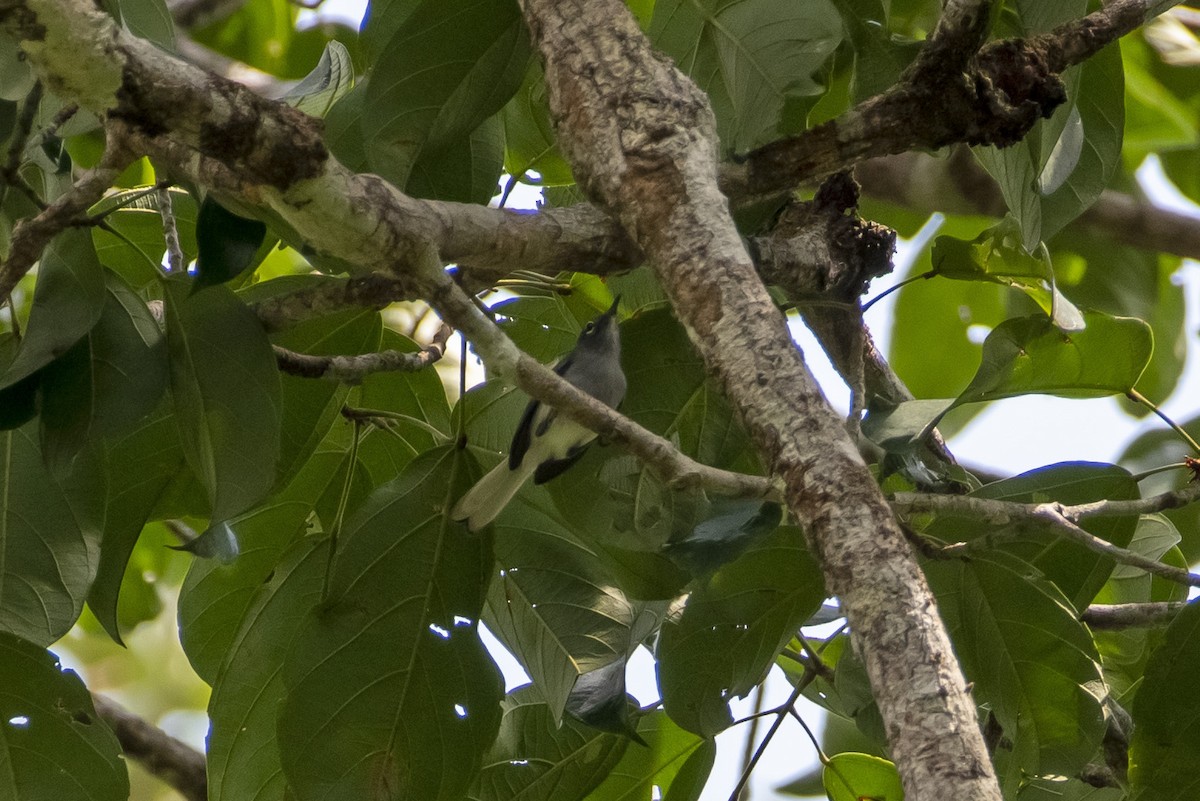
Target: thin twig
x: 166, y: 209
x: 1059, y: 518
x: 1109, y: 617
x: 353, y: 369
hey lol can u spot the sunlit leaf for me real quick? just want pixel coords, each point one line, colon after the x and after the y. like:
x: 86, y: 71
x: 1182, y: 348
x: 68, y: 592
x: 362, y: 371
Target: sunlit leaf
x: 851, y: 777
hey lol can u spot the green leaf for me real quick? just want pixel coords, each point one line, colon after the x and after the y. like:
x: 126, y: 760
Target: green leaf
x: 215, y: 597
x: 67, y: 301
x: 850, y: 777
x: 1078, y: 574
x: 676, y: 762
x: 228, y: 244
x: 226, y: 391
x: 732, y: 629
x: 52, y: 743
x: 139, y: 467
x: 1029, y: 658
x: 599, y: 700
x: 1030, y: 355
x: 414, y: 719
x: 149, y: 19
x: 1125, y: 651
x: 734, y: 526
x: 997, y: 255
x: 535, y: 759
x: 1065, y: 162
x: 419, y: 397
x: 756, y: 60
x: 879, y: 57
x: 466, y: 171
x: 945, y: 312
x: 552, y: 603
x: 446, y: 69
x: 311, y: 407
x: 18, y: 403
x: 529, y: 139
x: 137, y: 253
x: 107, y: 382
x: 1166, y: 714
x: 49, y: 539
x: 243, y: 755
x: 329, y: 81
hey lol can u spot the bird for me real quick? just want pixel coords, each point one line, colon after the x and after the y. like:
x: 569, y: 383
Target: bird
x: 546, y: 443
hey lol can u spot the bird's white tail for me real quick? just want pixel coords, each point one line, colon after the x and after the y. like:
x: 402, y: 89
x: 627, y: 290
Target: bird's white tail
x: 491, y: 493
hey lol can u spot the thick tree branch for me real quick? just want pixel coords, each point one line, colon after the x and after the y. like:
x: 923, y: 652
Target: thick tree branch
x: 1007, y: 87
x: 957, y: 184
x: 173, y: 761
x: 641, y: 141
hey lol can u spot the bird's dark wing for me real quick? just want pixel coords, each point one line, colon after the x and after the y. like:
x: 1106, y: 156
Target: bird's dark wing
x: 523, y: 436
x: 553, y: 468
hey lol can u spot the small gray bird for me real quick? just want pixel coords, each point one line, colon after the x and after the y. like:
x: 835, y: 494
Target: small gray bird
x: 547, y: 443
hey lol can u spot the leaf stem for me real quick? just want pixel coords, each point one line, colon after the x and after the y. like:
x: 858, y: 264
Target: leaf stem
x: 1138, y: 397
x: 910, y: 280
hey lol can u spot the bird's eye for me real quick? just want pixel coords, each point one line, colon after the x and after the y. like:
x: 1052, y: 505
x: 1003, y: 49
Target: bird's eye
x: 589, y: 328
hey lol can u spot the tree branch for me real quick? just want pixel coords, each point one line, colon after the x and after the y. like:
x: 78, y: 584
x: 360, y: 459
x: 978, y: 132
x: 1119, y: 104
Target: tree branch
x: 641, y: 141
x: 31, y: 235
x: 1113, y: 617
x: 353, y: 369
x: 995, y: 99
x: 1060, y: 519
x: 175, y: 762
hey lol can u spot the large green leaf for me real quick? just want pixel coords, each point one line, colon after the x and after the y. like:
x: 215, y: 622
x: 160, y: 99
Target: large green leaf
x: 329, y: 81
x: 466, y: 170
x: 756, y: 60
x: 850, y: 777
x: 674, y: 761
x: 1031, y: 661
x: 529, y: 139
x: 243, y: 757
x: 67, y: 301
x: 52, y: 744
x: 949, y: 313
x: 536, y: 759
x: 109, y: 380
x: 553, y: 603
x: 139, y: 467
x: 228, y: 244
x: 1125, y: 651
x: 215, y: 597
x: 390, y: 691
x: 1166, y: 714
x: 311, y: 407
x: 732, y: 629
x: 445, y: 70
x: 879, y: 56
x: 1065, y: 162
x: 49, y: 538
x: 226, y: 390
x: 996, y: 255
x: 149, y: 19
x: 1030, y: 355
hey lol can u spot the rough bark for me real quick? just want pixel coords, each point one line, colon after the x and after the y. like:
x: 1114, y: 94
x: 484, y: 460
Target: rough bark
x: 641, y: 139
